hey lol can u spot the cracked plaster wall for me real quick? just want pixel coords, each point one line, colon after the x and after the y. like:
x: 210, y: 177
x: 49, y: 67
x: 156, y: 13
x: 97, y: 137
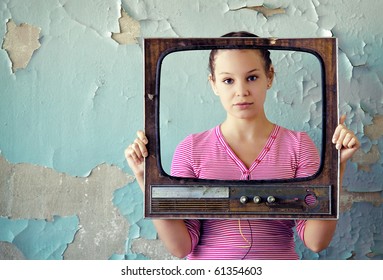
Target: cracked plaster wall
x: 66, y: 118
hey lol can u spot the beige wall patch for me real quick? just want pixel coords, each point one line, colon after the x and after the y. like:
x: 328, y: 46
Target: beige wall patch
x: 20, y: 42
x: 266, y: 11
x: 129, y: 30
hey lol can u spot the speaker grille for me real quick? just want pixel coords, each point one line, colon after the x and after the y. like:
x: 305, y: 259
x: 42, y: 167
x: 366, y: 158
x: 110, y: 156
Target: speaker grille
x: 189, y: 205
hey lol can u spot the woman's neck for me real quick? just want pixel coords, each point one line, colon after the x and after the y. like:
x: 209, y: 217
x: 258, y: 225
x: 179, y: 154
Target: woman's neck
x: 247, y: 129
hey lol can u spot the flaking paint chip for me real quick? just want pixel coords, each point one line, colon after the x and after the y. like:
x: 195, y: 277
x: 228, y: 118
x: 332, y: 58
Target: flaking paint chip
x: 20, y: 41
x: 129, y: 30
x: 266, y: 11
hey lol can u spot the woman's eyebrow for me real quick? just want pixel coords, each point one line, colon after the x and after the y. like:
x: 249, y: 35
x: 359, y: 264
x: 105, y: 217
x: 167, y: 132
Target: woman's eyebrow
x: 228, y: 73
x: 254, y: 70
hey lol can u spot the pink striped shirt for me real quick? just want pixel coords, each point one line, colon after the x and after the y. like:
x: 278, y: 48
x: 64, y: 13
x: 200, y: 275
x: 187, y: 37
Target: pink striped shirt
x: 287, y: 154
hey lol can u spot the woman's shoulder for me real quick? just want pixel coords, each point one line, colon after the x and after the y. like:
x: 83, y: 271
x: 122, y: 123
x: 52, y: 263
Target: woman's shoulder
x: 201, y: 138
x: 286, y: 133
x: 293, y: 140
x: 195, y: 145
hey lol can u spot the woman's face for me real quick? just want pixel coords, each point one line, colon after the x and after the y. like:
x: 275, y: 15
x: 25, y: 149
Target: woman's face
x: 241, y: 82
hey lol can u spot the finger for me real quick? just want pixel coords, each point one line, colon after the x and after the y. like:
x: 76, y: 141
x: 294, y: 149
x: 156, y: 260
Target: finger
x: 337, y: 132
x: 140, y: 148
x: 136, y: 150
x: 339, y: 128
x: 350, y: 140
x: 342, y: 119
x: 347, y: 138
x: 341, y: 138
x: 353, y: 143
x: 135, y: 153
x: 141, y: 135
x: 131, y: 155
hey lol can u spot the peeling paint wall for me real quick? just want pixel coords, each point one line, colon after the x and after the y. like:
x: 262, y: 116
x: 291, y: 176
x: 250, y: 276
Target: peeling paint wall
x: 71, y: 101
x: 20, y: 42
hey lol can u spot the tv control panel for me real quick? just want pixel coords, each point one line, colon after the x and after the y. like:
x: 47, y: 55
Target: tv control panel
x: 238, y: 199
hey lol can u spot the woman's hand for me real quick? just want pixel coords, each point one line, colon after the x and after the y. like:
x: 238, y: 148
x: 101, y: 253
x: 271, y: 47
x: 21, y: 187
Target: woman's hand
x: 318, y: 233
x: 345, y: 141
x: 172, y: 232
x: 135, y: 154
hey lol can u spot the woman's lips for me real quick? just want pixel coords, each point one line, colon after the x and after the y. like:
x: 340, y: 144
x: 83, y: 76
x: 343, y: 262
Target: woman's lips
x: 243, y: 105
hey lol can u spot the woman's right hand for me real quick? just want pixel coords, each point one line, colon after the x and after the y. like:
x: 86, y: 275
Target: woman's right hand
x: 173, y: 233
x: 135, y: 154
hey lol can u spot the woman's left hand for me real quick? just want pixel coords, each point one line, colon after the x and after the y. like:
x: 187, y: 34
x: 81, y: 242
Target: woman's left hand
x: 345, y: 141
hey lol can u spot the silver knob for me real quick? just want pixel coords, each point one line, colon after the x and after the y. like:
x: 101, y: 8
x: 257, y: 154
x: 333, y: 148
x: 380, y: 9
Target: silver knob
x: 270, y: 199
x: 257, y: 199
x: 244, y: 199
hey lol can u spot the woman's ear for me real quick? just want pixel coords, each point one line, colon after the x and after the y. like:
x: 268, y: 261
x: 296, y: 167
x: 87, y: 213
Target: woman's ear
x: 212, y: 84
x: 270, y: 77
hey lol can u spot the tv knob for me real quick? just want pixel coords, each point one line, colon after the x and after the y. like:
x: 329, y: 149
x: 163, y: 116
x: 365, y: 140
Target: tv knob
x: 257, y: 199
x: 244, y: 199
x: 270, y: 199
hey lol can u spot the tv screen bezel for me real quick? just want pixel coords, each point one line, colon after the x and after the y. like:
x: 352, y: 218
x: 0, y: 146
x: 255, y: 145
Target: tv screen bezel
x: 325, y: 49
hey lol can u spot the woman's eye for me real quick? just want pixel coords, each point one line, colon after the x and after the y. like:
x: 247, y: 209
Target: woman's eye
x: 251, y: 78
x: 228, y: 81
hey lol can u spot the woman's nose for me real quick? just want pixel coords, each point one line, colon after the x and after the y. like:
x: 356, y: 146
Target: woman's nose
x: 242, y: 89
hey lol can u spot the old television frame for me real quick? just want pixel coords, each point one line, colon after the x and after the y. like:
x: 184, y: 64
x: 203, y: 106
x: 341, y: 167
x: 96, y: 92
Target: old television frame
x: 171, y: 197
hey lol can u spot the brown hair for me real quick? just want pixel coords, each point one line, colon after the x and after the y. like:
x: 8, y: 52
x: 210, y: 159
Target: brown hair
x: 264, y: 52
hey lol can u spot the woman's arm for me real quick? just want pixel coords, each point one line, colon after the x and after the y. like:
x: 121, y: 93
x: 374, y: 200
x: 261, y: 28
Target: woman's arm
x: 318, y: 233
x: 173, y: 233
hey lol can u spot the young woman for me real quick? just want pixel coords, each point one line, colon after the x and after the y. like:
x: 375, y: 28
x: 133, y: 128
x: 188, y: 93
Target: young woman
x: 245, y: 146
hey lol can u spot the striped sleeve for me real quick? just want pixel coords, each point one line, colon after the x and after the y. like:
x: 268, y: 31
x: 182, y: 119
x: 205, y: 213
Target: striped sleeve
x: 300, y: 227
x: 308, y: 164
x: 182, y: 164
x: 194, y: 228
x: 308, y: 161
